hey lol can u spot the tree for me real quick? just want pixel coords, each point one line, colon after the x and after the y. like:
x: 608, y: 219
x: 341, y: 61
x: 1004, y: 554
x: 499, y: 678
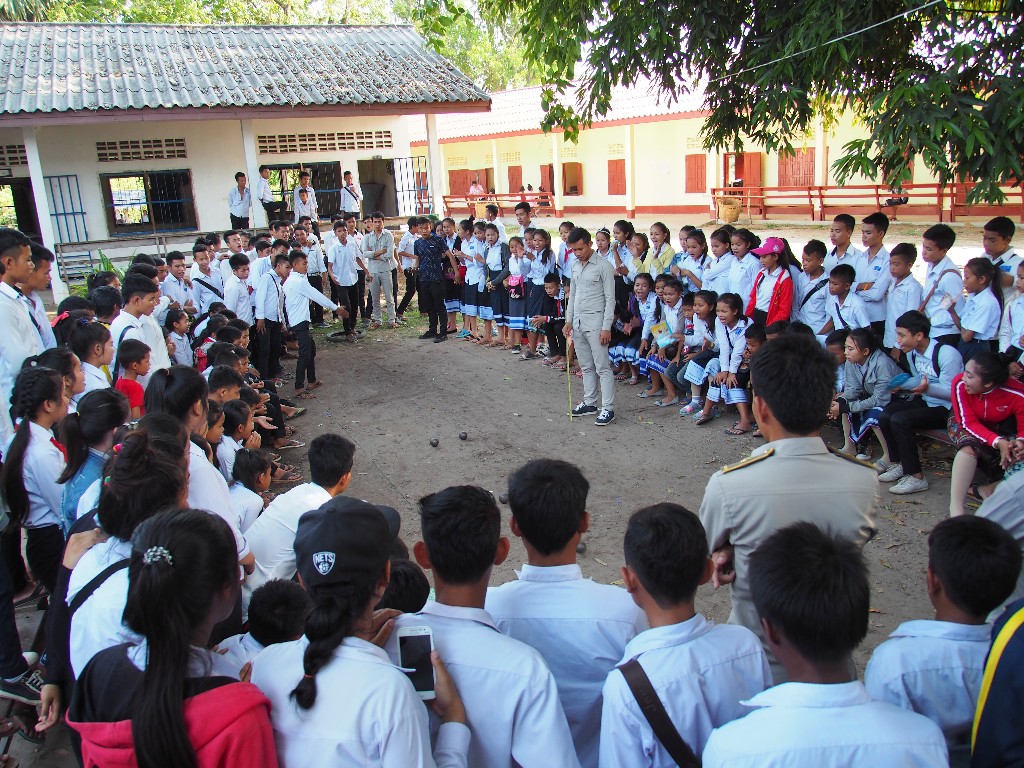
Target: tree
x: 928, y: 79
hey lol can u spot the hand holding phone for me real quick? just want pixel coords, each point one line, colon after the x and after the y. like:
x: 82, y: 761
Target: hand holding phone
x: 414, y: 647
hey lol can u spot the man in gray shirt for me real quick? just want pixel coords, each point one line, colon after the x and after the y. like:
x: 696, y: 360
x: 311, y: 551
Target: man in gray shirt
x: 588, y: 322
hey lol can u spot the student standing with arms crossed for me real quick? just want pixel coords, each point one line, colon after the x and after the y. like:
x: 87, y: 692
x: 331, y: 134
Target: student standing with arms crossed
x: 588, y: 323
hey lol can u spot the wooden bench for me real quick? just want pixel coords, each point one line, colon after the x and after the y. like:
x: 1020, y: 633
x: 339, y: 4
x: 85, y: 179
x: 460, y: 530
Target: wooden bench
x: 938, y: 435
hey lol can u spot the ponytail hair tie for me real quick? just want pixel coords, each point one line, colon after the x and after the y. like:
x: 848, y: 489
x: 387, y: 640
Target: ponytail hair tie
x: 117, y: 448
x: 106, y: 480
x: 58, y: 318
x: 156, y: 555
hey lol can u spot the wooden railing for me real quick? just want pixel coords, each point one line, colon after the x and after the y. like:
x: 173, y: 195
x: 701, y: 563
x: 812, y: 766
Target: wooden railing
x: 943, y: 202
x: 456, y: 204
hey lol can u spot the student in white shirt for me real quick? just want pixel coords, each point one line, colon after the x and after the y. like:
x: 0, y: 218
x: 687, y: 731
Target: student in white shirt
x: 175, y: 287
x: 407, y: 252
x: 872, y: 267
x: 844, y: 307
x: 298, y: 293
x: 176, y: 325
x: 94, y: 346
x: 1011, y: 330
x: 843, y: 251
x: 579, y: 627
x: 39, y: 280
x: 207, y: 283
x: 269, y: 313
x: 996, y: 239
x: 744, y: 266
x: 146, y: 475
x: 511, y: 697
x: 335, y: 697
x: 272, y: 536
x: 941, y: 279
x: 236, y: 288
x: 140, y: 298
x: 978, y: 318
x: 33, y: 461
x: 699, y: 670
x: 935, y: 667
x: 238, y: 428
x: 904, y: 293
x: 823, y: 716
x: 277, y: 614
x: 810, y: 295
x: 351, y: 196
x: 491, y: 216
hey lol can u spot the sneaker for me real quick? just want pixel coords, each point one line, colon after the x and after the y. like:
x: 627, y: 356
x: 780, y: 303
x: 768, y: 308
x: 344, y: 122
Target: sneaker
x: 882, y: 466
x: 462, y: 334
x: 892, y: 474
x: 864, y: 456
x: 321, y: 325
x: 605, y: 417
x: 528, y: 355
x: 516, y: 349
x: 583, y: 410
x: 440, y: 337
x: 25, y: 689
x: 694, y: 406
x: 909, y: 484
x: 428, y: 335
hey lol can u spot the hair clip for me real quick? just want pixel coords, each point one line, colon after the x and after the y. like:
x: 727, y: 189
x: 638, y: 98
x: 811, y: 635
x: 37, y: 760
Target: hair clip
x: 156, y: 554
x: 83, y: 321
x: 106, y: 480
x: 604, y: 230
x: 117, y: 448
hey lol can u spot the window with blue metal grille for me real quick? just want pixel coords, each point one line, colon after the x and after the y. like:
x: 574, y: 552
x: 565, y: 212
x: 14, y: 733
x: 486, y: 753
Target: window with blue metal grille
x: 149, y: 201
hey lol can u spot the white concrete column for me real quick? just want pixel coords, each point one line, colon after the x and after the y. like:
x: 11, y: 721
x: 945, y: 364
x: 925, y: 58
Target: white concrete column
x: 556, y: 173
x: 820, y: 152
x: 252, y: 172
x: 35, y: 170
x: 495, y: 166
x: 714, y: 177
x: 435, y: 170
x: 630, y: 172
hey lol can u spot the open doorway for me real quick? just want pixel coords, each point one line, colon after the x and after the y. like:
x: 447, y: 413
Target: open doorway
x: 377, y: 183
x: 18, y: 207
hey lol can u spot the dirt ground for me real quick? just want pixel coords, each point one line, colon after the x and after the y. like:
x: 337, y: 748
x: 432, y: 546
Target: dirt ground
x: 391, y: 393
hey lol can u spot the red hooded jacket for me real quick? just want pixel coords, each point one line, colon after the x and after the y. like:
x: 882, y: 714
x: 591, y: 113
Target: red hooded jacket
x: 229, y: 726
x: 781, y: 306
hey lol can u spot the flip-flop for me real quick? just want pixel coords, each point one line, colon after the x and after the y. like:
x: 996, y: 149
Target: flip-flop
x: 648, y: 393
x: 663, y: 403
x: 298, y: 412
x: 756, y: 433
x: 314, y: 385
x: 974, y: 493
x: 291, y: 477
x: 736, y: 430
x: 289, y: 444
x: 305, y: 394
x: 706, y: 418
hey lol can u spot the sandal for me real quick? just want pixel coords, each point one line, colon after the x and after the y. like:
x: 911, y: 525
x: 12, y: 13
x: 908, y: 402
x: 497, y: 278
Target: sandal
x: 559, y: 367
x: 314, y: 385
x: 649, y: 393
x: 298, y: 412
x: 756, y: 433
x: 735, y: 430
x: 663, y: 403
x: 289, y: 431
x: 974, y: 493
x: 632, y: 381
x: 289, y: 444
x: 289, y: 477
x: 304, y: 394
x: 705, y: 418
x: 621, y: 376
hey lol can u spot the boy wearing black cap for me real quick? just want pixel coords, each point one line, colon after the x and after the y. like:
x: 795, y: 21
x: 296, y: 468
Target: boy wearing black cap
x: 336, y: 699
x: 511, y: 698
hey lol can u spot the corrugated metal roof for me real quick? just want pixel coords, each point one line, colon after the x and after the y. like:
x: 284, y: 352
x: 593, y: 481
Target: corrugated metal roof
x: 520, y: 110
x: 70, y: 67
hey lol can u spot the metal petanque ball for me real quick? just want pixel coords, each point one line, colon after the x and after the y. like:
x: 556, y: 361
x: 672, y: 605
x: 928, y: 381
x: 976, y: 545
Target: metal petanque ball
x: 503, y: 498
x: 463, y: 436
x: 435, y: 442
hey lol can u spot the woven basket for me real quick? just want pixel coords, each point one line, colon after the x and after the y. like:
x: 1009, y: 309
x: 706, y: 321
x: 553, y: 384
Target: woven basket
x: 729, y: 209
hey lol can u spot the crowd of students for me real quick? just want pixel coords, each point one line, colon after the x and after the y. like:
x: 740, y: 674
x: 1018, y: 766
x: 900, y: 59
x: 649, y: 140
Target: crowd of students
x: 145, y: 429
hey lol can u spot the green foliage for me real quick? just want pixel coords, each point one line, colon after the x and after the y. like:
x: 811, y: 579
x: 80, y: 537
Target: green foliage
x: 942, y: 83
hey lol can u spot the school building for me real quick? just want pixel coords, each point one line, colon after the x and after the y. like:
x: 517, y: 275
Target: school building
x: 126, y: 138
x: 645, y: 157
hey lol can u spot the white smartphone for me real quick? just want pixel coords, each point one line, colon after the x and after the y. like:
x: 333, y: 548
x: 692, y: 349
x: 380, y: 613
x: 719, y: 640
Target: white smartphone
x: 414, y: 647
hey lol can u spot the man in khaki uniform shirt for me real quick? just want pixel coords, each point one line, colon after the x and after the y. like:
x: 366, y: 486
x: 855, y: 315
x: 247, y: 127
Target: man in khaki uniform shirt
x: 588, y: 320
x: 793, y: 477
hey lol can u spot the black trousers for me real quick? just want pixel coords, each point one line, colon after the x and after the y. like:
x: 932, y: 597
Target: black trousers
x: 14, y: 563
x: 316, y: 312
x: 305, y: 367
x: 394, y: 285
x: 410, y: 290
x: 44, y: 548
x: 268, y: 349
x: 276, y: 210
x: 898, y: 422
x: 12, y: 665
x: 556, y: 341
x: 432, y: 299
x: 239, y: 222
x: 364, y: 300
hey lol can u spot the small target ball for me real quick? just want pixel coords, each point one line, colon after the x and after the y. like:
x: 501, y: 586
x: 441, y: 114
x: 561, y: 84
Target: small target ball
x: 503, y: 498
x: 463, y: 436
x: 434, y: 442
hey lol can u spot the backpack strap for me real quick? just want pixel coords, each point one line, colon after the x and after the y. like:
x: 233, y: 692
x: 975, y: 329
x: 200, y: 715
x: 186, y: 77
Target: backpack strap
x: 208, y: 287
x: 87, y: 591
x: 935, y: 287
x: 813, y: 291
x: 664, y: 731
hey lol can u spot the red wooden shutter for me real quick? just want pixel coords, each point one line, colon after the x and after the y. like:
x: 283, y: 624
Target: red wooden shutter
x: 696, y: 173
x: 515, y: 178
x: 797, y: 170
x: 751, y: 169
x: 616, y: 177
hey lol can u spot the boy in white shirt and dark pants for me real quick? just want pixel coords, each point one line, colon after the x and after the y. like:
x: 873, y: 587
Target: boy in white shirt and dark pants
x: 699, y: 671
x: 580, y: 628
x: 935, y: 667
x: 823, y: 716
x: 297, y: 295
